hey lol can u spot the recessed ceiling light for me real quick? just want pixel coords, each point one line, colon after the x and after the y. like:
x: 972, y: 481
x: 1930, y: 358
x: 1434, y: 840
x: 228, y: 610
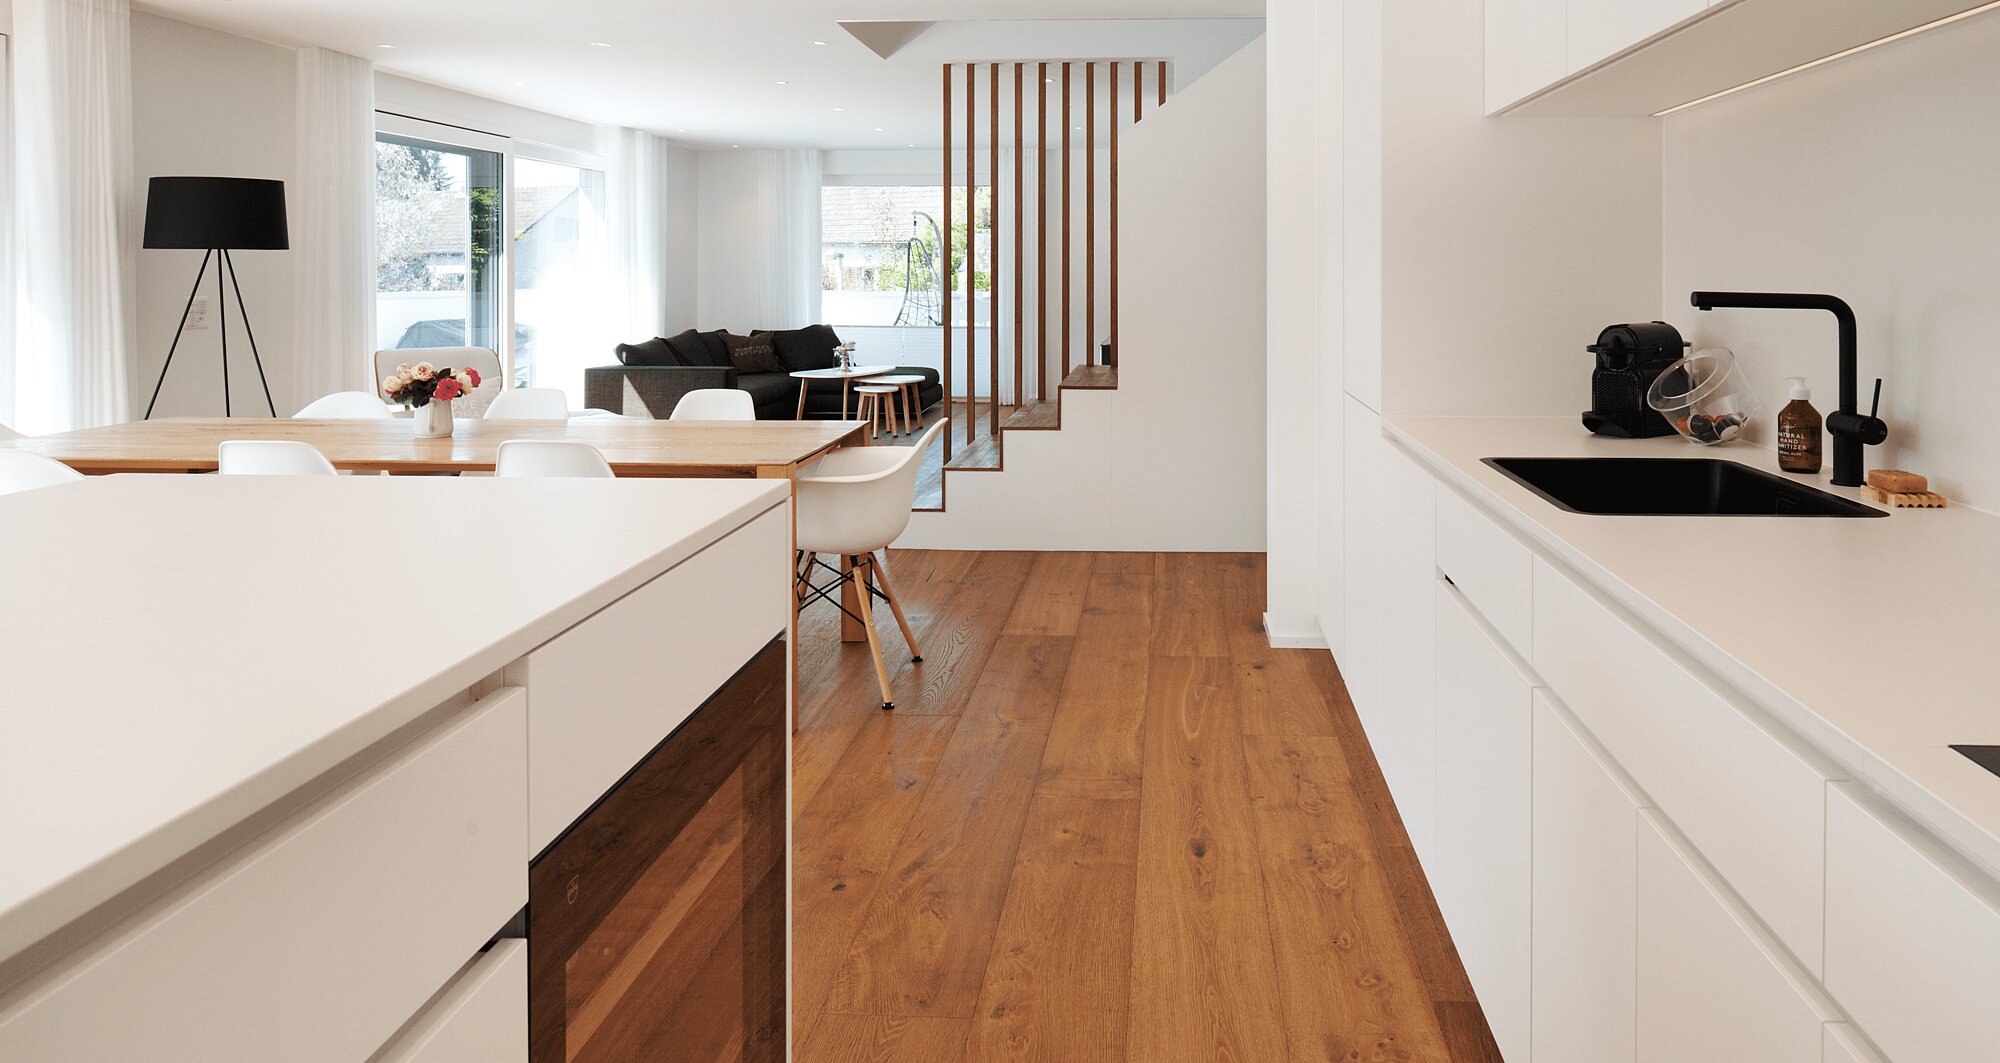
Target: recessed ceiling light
x: 388, y: 46
x: 520, y: 84
x: 821, y: 44
x: 784, y: 82
x: 600, y: 44
x: 1048, y: 81
x: 913, y: 145
x: 1079, y: 129
x: 833, y: 108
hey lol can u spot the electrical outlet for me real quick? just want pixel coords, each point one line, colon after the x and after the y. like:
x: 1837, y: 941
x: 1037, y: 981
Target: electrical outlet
x: 198, y: 314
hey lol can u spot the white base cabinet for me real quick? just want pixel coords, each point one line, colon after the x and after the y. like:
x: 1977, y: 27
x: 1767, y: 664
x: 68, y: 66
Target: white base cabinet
x: 1912, y: 946
x: 1481, y: 873
x: 1585, y: 897
x: 1709, y: 987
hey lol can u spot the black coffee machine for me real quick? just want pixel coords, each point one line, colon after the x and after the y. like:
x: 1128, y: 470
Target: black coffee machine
x: 1629, y: 359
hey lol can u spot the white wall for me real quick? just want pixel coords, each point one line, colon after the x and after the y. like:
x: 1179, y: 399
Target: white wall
x: 1872, y: 179
x: 1174, y: 458
x: 1462, y: 263
x: 206, y: 103
x: 683, y: 267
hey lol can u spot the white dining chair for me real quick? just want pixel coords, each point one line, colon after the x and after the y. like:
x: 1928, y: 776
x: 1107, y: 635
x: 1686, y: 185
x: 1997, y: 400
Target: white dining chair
x: 853, y: 503
x: 715, y: 404
x: 550, y: 458
x: 347, y: 405
x: 8, y: 433
x: 471, y: 405
x: 271, y: 457
x: 529, y: 404
x: 22, y: 471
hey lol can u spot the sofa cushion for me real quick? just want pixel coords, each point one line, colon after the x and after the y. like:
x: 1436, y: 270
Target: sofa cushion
x: 656, y: 351
x: 716, y: 342
x: 807, y: 348
x: 770, y: 390
x: 755, y: 353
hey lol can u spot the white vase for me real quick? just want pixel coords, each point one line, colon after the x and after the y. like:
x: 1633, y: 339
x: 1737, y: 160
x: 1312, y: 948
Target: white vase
x: 433, y: 419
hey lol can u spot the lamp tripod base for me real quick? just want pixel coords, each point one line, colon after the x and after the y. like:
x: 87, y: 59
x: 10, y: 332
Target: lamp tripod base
x: 223, y: 264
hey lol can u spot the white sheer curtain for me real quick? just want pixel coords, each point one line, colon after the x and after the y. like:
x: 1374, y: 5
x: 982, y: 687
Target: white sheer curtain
x: 73, y: 232
x: 794, y: 181
x: 640, y: 231
x: 332, y: 212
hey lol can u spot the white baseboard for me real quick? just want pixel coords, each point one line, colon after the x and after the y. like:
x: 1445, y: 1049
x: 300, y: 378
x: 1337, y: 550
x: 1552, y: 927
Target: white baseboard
x: 1302, y: 637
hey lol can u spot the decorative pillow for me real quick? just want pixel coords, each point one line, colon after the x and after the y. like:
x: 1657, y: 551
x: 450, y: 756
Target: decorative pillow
x: 753, y: 354
x: 688, y: 348
x: 655, y: 351
x: 807, y: 348
x: 717, y: 344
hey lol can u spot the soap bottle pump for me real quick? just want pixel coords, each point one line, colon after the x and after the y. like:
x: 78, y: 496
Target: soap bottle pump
x: 1799, y: 433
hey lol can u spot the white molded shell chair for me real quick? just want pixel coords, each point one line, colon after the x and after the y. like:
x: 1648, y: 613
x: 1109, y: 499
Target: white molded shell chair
x: 22, y: 471
x: 529, y: 404
x: 715, y: 404
x: 347, y: 405
x: 471, y: 405
x: 8, y: 433
x: 272, y: 457
x: 549, y: 458
x: 855, y: 502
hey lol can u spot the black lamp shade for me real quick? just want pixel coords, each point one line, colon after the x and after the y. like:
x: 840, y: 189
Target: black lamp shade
x: 234, y: 213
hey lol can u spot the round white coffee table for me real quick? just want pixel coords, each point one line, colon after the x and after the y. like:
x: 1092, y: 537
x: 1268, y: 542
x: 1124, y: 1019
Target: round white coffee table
x: 847, y: 377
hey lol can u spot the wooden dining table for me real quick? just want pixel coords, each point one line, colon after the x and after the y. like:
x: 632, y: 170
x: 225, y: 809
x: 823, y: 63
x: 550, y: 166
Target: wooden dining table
x: 634, y: 447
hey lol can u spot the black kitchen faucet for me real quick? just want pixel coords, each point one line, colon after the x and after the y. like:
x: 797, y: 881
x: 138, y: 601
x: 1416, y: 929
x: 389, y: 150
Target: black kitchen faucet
x: 1851, y: 428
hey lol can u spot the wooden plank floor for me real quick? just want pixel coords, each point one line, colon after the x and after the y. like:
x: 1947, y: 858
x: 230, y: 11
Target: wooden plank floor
x: 1106, y: 822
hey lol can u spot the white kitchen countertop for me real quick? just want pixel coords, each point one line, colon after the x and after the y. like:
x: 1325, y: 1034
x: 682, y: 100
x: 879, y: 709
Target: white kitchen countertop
x: 1877, y: 641
x: 179, y: 652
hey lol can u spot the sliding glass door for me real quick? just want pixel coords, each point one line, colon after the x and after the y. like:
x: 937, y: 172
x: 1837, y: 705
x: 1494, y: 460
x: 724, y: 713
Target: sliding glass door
x: 561, y: 298
x: 439, y: 215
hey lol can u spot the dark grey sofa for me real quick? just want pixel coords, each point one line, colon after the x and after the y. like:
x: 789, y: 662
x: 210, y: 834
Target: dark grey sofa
x: 652, y: 376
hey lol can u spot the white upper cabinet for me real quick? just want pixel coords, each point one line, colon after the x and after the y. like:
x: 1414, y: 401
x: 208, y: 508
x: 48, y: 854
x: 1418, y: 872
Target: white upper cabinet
x: 1548, y: 58
x: 1600, y: 29
x: 1524, y: 49
x: 1481, y: 872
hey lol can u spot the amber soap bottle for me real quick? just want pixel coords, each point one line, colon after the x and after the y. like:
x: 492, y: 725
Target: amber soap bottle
x: 1799, y: 431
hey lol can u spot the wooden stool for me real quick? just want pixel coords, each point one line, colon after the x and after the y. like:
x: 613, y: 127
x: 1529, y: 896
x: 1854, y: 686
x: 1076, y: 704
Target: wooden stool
x: 908, y: 397
x: 869, y: 407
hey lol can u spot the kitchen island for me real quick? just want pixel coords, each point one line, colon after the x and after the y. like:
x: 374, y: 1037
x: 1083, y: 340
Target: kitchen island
x: 279, y: 756
x: 1684, y: 785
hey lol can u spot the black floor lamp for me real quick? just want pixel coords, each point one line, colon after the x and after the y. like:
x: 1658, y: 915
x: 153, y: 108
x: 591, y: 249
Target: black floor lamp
x: 216, y: 215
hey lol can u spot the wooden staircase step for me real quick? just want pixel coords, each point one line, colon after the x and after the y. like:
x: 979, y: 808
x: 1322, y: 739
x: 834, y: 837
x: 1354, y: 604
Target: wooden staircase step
x: 1092, y: 378
x: 981, y: 456
x: 1034, y: 416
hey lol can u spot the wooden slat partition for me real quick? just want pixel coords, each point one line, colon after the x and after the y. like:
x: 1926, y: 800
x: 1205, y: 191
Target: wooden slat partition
x: 1042, y: 230
x: 1090, y: 214
x: 971, y: 258
x: 1051, y: 330
x: 945, y: 270
x: 1113, y: 337
x: 1020, y: 230
x: 1068, y: 233
x: 993, y: 251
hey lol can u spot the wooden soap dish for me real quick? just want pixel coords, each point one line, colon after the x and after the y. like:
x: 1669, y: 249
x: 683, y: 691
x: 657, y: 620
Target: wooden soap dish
x: 1903, y: 499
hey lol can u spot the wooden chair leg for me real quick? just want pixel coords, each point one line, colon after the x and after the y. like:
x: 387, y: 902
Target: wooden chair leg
x: 874, y: 642
x: 880, y: 574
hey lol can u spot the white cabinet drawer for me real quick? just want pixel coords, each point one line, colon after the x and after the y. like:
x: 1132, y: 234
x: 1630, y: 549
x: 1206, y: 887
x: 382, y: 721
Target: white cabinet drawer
x: 481, y: 1018
x: 1490, y: 567
x: 1480, y: 868
x: 372, y: 898
x: 1709, y: 987
x: 1751, y: 804
x: 604, y: 693
x: 1912, y: 950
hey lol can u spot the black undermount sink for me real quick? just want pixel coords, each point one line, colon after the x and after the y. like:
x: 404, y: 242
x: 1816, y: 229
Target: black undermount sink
x: 1673, y: 487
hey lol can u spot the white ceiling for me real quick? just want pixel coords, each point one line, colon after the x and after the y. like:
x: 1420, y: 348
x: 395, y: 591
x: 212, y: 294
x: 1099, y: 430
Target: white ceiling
x: 708, y: 75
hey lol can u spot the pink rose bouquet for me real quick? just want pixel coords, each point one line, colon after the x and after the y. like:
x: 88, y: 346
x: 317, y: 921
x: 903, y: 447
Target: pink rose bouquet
x: 423, y: 383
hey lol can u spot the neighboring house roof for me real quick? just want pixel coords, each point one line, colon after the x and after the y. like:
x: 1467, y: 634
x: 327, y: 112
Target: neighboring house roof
x: 874, y: 214
x: 448, y: 231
